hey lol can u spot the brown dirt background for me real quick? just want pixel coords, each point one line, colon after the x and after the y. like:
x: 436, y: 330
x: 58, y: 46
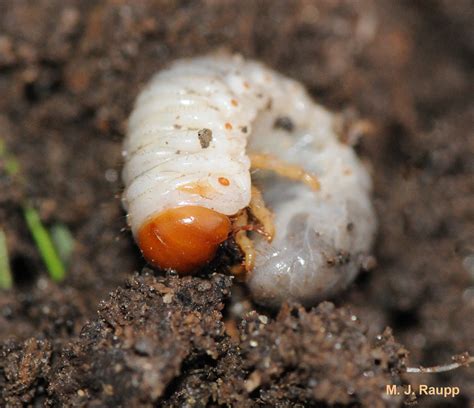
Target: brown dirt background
x: 69, y: 72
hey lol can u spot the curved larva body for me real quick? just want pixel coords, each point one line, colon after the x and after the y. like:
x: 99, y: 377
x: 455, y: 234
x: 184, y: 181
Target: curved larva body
x: 321, y: 237
x: 187, y: 145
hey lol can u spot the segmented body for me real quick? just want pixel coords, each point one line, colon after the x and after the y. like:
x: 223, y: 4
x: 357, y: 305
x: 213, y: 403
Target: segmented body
x: 187, y: 147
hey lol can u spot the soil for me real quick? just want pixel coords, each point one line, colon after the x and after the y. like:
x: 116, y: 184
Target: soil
x: 112, y: 336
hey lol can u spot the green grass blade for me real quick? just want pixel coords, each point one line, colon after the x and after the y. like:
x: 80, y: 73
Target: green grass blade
x: 6, y: 281
x: 63, y: 241
x: 56, y: 269
x: 11, y: 165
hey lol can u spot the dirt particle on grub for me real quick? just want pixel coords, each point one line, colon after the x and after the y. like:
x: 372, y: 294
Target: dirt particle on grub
x: 284, y: 123
x: 205, y: 137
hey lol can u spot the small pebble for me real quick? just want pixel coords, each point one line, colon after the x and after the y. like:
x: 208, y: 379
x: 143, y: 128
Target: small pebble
x: 144, y: 346
x: 263, y: 319
x: 111, y: 175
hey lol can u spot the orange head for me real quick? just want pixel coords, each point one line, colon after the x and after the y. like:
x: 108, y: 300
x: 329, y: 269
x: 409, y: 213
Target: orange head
x: 183, y: 238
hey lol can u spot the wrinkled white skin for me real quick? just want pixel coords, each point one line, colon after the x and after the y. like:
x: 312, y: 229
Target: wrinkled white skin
x: 320, y: 236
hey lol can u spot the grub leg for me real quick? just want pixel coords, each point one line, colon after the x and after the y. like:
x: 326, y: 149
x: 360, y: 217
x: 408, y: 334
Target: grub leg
x: 263, y: 215
x: 244, y: 242
x: 283, y: 169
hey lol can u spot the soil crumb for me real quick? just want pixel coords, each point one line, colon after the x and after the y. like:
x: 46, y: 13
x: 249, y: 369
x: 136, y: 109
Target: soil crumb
x: 162, y: 340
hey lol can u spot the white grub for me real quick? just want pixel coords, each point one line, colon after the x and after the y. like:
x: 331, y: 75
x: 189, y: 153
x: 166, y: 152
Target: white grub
x: 241, y: 106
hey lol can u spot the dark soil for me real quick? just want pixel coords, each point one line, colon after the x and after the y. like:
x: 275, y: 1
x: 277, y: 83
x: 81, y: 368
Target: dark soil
x: 399, y: 70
